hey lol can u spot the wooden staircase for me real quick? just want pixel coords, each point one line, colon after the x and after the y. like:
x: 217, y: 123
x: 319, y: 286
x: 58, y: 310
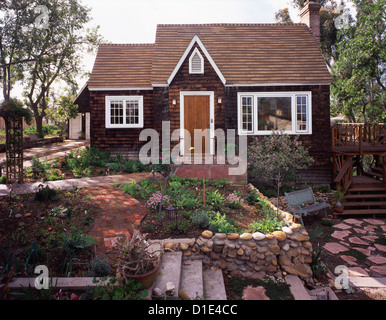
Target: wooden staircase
x: 375, y: 172
x: 365, y: 196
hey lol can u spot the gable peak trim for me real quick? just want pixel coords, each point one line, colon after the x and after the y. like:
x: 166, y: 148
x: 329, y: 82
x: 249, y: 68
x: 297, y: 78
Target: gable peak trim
x: 197, y: 40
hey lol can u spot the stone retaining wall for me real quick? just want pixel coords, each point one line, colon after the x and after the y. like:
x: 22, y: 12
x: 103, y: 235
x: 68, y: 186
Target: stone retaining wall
x: 256, y: 255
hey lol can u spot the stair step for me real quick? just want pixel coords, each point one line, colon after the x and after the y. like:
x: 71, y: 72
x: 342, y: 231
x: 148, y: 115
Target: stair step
x: 214, y: 287
x: 364, y: 203
x: 192, y: 278
x: 377, y: 169
x: 365, y: 196
x: 170, y: 271
x: 373, y: 174
x: 363, y: 211
x: 367, y: 189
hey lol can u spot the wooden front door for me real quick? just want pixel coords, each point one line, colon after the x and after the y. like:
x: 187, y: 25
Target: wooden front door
x: 197, y: 116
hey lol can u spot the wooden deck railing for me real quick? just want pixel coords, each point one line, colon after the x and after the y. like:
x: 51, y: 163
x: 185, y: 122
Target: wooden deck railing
x: 358, y: 135
x: 345, y: 168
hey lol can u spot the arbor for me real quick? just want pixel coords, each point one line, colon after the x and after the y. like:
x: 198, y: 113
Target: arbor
x: 360, y: 71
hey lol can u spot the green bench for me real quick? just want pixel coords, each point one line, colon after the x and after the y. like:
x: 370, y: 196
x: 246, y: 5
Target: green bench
x: 303, y: 202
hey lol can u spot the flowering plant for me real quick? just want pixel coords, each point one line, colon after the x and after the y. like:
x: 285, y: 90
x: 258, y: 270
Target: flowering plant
x: 234, y: 201
x: 156, y: 200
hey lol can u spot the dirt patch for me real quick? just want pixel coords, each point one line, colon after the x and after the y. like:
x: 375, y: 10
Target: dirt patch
x: 48, y: 232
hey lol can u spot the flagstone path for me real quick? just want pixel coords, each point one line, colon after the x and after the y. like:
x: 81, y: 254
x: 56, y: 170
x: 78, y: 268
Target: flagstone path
x: 360, y: 235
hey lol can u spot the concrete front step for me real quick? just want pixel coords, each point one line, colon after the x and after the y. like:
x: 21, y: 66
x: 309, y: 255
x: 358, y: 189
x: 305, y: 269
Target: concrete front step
x: 214, y: 287
x: 189, y: 276
x: 170, y: 271
x: 192, y: 278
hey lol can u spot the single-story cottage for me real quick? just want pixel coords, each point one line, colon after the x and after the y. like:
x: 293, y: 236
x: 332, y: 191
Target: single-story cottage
x: 253, y: 78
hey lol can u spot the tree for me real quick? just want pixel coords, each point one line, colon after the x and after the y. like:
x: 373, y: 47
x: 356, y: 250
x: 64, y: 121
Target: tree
x: 62, y: 109
x: 360, y: 71
x: 14, y: 42
x: 276, y: 159
x: 57, y: 52
x: 283, y: 16
x: 328, y: 32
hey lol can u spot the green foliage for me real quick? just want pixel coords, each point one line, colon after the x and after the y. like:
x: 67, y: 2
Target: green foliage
x: 201, y: 219
x: 180, y: 226
x: 99, y: 268
x: 220, y: 223
x: 111, y: 289
x: 271, y: 222
x: 14, y: 107
x: 234, y: 201
x: 215, y: 199
x: 317, y: 265
x: 275, y: 159
x: 252, y: 197
x: 46, y: 194
x: 359, y: 73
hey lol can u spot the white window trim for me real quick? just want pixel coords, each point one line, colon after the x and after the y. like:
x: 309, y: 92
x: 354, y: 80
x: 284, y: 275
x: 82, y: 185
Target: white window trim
x: 109, y: 125
x: 291, y: 94
x: 191, y: 71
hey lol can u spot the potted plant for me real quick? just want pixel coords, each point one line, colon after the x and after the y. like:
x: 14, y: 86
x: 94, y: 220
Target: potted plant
x: 137, y: 261
x: 338, y: 199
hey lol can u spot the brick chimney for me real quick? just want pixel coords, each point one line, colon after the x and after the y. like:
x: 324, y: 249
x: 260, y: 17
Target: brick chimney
x: 310, y: 16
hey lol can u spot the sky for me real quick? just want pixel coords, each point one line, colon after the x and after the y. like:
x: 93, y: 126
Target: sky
x: 135, y: 21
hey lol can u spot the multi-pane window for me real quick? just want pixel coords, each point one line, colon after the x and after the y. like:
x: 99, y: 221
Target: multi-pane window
x: 301, y: 113
x: 262, y: 113
x: 124, y: 112
x: 247, y: 114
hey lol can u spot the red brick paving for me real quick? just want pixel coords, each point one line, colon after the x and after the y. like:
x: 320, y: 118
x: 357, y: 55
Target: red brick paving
x: 120, y: 212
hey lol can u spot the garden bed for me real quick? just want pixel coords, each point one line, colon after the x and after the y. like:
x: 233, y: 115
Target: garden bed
x: 51, y: 231
x: 200, y: 204
x: 83, y: 163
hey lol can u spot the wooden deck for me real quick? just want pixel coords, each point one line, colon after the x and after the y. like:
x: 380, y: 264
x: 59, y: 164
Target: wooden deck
x: 366, y: 191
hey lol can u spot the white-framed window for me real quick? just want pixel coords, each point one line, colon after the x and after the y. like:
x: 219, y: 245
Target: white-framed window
x: 196, y: 62
x: 260, y: 113
x: 124, y: 111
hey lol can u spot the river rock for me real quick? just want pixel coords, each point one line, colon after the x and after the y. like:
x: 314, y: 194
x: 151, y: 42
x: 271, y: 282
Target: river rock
x: 207, y: 234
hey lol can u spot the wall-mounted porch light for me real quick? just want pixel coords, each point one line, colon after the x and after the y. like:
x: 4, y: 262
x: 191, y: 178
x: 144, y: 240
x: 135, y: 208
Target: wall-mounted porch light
x: 219, y: 100
x: 174, y: 102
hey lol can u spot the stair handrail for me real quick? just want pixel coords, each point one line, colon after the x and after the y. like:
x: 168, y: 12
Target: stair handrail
x: 344, y: 178
x: 383, y: 155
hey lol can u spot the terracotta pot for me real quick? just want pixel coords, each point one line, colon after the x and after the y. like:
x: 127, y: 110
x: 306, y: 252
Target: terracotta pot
x: 145, y: 279
x: 339, y: 207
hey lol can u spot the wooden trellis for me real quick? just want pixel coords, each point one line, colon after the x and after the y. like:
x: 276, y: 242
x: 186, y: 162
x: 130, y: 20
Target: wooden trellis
x: 14, y: 149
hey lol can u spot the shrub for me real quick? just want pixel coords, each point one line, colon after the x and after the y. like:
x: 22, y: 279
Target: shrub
x: 99, y: 268
x: 200, y: 219
x: 275, y: 159
x: 179, y: 226
x: 215, y: 199
x: 234, y: 201
x: 219, y: 223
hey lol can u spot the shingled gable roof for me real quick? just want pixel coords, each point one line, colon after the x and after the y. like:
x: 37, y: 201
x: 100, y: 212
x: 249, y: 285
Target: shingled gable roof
x: 122, y: 66
x: 242, y: 54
